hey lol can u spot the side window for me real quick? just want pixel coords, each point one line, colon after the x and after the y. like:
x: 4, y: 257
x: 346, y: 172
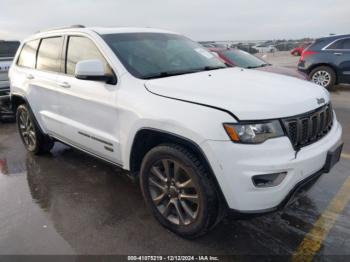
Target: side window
x: 346, y: 44
x: 340, y: 44
x: 335, y: 45
x: 81, y: 48
x: 28, y: 54
x: 49, y: 54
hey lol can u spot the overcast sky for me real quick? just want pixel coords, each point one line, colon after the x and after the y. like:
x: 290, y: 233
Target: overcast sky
x: 198, y: 19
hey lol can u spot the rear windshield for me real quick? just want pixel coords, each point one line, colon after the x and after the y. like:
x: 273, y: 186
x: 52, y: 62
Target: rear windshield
x: 8, y: 48
x: 243, y: 59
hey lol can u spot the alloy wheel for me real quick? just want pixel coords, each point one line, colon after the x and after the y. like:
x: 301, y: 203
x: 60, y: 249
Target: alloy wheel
x: 322, y: 78
x: 174, y: 192
x: 26, y: 129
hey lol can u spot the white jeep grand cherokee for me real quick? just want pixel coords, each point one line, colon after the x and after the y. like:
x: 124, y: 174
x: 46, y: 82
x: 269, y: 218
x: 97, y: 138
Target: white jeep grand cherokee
x: 202, y: 137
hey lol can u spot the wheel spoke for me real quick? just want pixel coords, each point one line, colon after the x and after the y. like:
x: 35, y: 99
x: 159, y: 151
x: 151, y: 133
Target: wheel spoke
x: 179, y: 212
x: 176, y: 171
x: 27, y: 119
x: 166, y: 169
x: 31, y: 137
x: 192, y: 198
x: 158, y: 199
x: 155, y: 170
x: 187, y: 210
x: 156, y: 184
x: 22, y: 119
x: 186, y: 184
x: 167, y: 208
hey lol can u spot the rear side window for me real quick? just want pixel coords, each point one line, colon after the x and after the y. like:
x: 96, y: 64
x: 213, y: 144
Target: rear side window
x: 28, y: 54
x: 49, y: 54
x: 346, y: 44
x: 340, y: 44
x: 81, y: 48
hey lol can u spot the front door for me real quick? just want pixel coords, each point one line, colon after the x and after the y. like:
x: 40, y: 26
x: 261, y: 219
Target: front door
x: 88, y: 108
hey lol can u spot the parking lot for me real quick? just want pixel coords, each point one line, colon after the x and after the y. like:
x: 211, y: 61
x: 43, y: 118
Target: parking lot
x: 70, y: 203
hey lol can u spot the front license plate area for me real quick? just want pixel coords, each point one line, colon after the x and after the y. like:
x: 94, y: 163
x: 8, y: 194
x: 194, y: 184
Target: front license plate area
x: 333, y: 157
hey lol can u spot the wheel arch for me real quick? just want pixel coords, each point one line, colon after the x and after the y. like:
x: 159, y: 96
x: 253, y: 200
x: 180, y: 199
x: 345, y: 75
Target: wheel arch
x: 147, y: 138
x: 19, y: 99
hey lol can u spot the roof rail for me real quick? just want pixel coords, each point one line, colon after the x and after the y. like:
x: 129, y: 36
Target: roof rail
x: 62, y: 27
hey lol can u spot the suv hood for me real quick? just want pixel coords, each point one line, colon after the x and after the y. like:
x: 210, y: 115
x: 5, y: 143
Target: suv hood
x: 248, y: 94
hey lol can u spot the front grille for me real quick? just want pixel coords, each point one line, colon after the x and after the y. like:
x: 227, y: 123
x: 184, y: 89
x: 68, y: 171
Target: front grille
x: 310, y: 127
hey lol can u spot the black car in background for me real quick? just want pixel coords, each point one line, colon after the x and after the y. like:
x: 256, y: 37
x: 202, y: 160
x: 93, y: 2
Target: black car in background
x: 327, y: 61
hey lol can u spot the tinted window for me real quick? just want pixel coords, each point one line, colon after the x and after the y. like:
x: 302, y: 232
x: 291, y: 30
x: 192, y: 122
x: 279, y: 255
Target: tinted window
x: 340, y: 44
x: 49, y: 54
x: 82, y: 48
x: 243, y: 59
x: 154, y: 55
x: 28, y: 54
x: 8, y: 48
x: 335, y: 45
x: 346, y: 44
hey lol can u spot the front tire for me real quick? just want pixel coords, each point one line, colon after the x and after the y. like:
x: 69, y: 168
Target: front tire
x: 179, y: 191
x: 323, y: 76
x: 33, y: 139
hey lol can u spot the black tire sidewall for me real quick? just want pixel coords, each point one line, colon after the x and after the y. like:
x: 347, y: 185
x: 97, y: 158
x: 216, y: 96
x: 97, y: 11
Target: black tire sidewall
x: 167, y: 152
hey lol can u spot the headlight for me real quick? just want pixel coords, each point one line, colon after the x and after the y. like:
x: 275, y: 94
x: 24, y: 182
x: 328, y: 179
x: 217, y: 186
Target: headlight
x: 254, y: 133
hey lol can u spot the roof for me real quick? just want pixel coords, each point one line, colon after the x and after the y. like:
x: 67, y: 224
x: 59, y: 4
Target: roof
x: 331, y: 37
x: 116, y: 30
x: 105, y: 30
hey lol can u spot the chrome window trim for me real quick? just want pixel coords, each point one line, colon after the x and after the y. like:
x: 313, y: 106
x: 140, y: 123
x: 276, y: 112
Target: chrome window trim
x: 339, y: 39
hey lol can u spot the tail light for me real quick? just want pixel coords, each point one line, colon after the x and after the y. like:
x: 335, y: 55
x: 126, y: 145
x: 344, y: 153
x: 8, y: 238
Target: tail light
x: 306, y: 53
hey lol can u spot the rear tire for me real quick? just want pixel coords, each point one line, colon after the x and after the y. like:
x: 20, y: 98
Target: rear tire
x: 179, y: 190
x: 33, y: 139
x: 323, y: 76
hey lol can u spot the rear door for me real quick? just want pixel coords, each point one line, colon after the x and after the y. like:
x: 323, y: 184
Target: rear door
x: 344, y: 60
x: 340, y: 52
x: 43, y: 92
x: 88, y: 108
x: 34, y: 76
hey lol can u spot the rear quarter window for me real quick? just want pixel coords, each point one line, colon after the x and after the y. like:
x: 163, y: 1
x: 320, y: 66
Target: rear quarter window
x: 27, y: 57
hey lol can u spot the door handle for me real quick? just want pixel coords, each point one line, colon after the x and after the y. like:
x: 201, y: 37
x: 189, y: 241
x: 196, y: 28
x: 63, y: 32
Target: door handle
x: 30, y: 77
x: 338, y: 53
x: 64, y: 85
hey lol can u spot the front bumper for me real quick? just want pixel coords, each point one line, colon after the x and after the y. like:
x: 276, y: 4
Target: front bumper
x: 235, y: 164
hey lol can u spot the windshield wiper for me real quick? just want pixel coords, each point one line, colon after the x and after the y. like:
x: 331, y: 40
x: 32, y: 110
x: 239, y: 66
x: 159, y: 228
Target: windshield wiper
x: 166, y: 74
x: 176, y: 73
x: 262, y: 65
x: 208, y: 68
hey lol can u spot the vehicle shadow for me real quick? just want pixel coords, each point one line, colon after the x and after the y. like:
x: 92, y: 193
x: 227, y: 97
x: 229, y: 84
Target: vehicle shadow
x: 98, y: 209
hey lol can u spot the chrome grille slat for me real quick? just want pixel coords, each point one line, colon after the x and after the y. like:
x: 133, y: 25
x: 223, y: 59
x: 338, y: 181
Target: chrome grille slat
x: 308, y: 128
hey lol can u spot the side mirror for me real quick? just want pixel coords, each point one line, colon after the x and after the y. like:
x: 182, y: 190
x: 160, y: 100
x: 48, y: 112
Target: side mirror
x: 90, y: 70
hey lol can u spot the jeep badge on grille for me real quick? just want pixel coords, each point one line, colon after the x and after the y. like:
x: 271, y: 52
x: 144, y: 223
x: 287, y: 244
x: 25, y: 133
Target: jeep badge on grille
x: 320, y: 101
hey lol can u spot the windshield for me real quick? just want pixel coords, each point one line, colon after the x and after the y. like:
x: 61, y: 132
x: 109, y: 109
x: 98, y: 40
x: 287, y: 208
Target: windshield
x: 243, y: 59
x: 8, y: 48
x: 154, y: 55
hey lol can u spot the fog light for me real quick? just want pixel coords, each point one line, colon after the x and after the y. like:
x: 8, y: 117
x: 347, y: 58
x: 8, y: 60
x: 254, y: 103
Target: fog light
x: 268, y: 180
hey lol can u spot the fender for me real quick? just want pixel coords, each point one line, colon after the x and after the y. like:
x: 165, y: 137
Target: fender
x: 175, y: 138
x: 14, y: 106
